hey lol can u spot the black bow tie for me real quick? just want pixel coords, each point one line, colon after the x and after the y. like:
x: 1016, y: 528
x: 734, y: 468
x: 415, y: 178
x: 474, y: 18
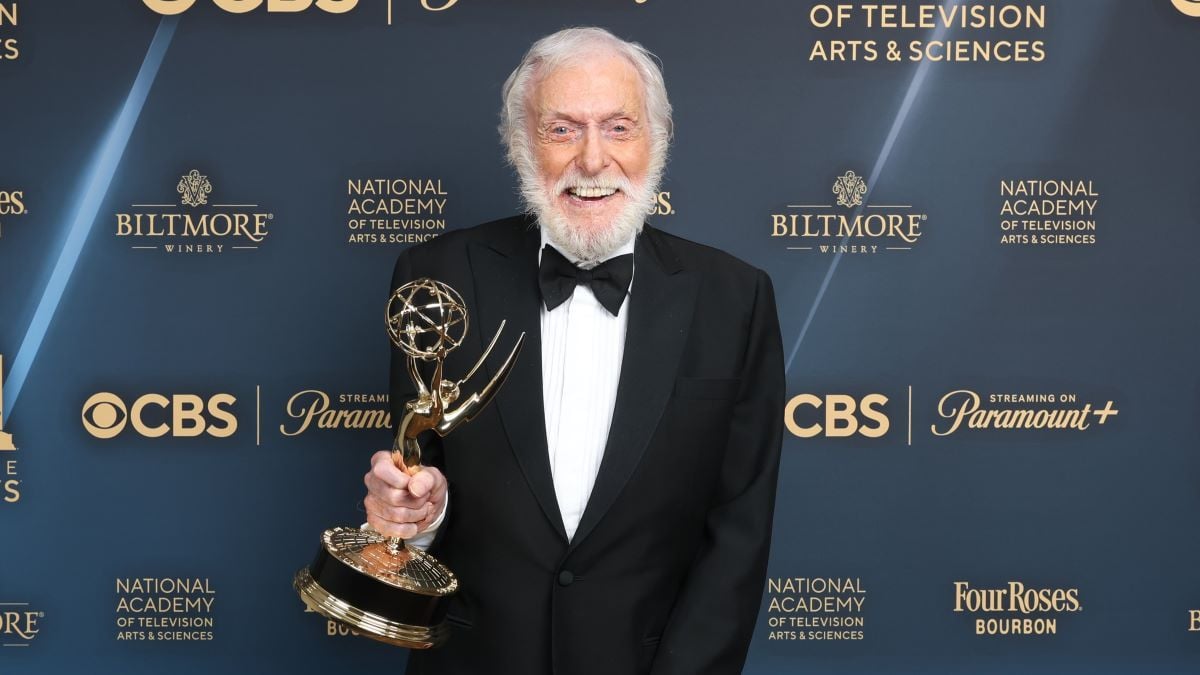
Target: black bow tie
x: 609, y: 280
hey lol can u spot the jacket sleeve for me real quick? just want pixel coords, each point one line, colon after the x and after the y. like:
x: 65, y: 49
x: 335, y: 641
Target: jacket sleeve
x: 713, y: 618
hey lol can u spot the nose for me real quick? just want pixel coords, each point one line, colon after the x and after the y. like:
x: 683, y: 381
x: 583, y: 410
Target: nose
x: 593, y: 155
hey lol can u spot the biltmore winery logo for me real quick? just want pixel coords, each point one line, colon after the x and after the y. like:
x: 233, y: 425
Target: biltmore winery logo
x: 198, y: 224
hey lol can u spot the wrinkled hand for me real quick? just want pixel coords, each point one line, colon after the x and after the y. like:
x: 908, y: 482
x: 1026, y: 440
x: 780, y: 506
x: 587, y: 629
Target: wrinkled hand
x: 400, y: 505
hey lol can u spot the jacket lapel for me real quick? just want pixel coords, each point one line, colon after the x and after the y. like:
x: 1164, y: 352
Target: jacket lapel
x: 506, y: 285
x: 662, y: 300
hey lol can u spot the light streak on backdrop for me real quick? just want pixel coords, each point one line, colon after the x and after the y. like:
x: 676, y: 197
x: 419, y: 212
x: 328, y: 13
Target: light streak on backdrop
x: 95, y: 188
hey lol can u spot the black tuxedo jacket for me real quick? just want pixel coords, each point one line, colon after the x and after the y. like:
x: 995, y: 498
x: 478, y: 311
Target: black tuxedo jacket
x: 665, y: 572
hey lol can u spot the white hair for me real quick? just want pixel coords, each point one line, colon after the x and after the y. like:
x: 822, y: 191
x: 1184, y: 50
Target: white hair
x: 543, y: 57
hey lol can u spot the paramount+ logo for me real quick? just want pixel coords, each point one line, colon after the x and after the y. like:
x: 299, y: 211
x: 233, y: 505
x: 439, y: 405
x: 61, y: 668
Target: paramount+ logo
x: 171, y: 7
x: 106, y: 415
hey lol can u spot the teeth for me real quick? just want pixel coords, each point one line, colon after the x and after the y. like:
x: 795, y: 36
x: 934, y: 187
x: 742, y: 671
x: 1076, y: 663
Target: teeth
x: 591, y: 191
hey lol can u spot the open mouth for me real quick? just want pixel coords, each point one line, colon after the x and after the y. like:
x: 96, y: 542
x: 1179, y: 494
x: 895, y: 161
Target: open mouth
x: 591, y: 194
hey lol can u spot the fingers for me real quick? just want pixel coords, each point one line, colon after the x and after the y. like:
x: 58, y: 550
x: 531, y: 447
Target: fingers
x: 387, y: 529
x: 435, y: 511
x: 420, y: 484
x: 428, y: 481
x: 390, y: 485
x: 386, y: 470
x: 398, y: 521
x: 400, y: 505
x: 436, y: 497
x: 391, y: 496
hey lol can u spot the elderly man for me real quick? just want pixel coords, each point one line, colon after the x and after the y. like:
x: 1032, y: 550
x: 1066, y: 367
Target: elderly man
x: 611, y: 513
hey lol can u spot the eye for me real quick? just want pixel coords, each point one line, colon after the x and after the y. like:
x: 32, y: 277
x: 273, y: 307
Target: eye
x: 560, y: 131
x: 621, y: 129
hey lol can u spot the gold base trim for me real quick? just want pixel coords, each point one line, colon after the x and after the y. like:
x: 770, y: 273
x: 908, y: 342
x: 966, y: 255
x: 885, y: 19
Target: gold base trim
x: 367, y: 624
x: 372, y: 554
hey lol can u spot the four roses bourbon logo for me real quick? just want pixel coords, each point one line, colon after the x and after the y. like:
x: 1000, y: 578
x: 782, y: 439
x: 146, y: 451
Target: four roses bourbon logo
x: 194, y: 225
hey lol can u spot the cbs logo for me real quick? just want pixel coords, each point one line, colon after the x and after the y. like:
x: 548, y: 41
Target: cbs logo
x: 1189, y: 7
x: 105, y: 415
x: 843, y: 416
x: 170, y: 7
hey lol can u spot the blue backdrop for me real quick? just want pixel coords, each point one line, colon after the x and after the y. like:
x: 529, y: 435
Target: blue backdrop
x: 107, y: 106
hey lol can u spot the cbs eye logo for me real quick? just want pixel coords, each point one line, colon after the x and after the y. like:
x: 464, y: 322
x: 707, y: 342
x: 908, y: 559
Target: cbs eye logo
x: 1189, y: 7
x: 105, y: 415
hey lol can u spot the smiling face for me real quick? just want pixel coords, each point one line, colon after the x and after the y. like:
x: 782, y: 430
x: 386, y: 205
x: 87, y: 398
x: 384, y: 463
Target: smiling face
x: 591, y: 146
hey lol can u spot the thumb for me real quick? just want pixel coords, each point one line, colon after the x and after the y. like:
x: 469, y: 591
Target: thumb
x: 421, y: 484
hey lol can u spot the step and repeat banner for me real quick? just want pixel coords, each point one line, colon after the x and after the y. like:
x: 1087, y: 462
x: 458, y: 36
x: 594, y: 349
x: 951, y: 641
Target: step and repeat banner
x: 981, y: 218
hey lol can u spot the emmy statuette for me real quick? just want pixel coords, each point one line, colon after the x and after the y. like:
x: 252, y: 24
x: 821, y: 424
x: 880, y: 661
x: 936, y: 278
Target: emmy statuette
x: 376, y: 585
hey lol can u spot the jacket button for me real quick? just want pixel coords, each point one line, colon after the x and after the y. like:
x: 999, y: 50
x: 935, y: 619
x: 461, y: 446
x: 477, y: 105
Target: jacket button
x: 565, y: 578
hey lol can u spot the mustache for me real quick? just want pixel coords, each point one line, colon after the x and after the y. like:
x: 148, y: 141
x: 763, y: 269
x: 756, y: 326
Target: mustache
x: 575, y: 179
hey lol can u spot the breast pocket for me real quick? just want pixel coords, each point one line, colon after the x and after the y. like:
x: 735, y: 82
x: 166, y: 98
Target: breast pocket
x: 707, y: 388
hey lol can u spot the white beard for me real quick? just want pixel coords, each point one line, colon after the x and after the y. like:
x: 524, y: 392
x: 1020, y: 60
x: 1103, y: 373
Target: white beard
x: 589, y: 248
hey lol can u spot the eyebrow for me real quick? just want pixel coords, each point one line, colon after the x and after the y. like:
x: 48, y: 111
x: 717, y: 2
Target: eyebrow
x: 555, y: 115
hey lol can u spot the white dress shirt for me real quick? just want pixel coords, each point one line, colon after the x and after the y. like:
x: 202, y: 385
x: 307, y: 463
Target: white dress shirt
x: 582, y: 348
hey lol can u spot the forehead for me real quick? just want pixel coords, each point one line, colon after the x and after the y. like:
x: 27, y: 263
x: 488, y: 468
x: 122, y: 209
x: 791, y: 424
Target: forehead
x: 590, y: 86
